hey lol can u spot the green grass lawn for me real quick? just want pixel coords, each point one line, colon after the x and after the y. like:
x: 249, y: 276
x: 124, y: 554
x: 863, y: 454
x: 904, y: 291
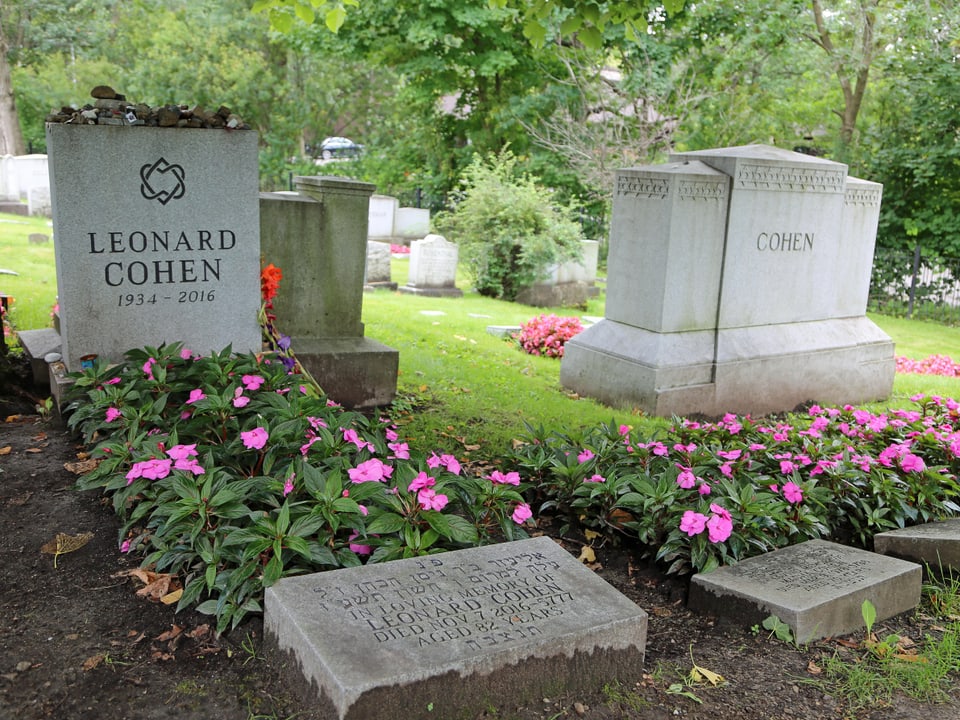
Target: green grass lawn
x: 34, y: 287
x: 460, y: 388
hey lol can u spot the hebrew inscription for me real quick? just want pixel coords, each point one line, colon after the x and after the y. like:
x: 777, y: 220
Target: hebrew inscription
x: 816, y: 571
x: 476, y: 605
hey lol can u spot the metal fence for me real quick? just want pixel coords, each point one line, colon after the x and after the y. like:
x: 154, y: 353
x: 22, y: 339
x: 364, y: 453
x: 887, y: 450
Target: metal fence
x: 915, y: 285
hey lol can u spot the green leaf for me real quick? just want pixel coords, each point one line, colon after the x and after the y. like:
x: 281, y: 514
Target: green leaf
x: 571, y: 25
x: 535, y: 32
x: 673, y: 6
x: 462, y: 531
x: 385, y: 524
x: 305, y: 13
x: 273, y: 571
x: 335, y: 18
x: 869, y: 612
x: 591, y: 37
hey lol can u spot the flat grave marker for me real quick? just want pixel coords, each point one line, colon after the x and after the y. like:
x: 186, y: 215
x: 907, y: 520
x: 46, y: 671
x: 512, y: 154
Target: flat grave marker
x: 455, y: 631
x: 936, y: 544
x: 817, y: 588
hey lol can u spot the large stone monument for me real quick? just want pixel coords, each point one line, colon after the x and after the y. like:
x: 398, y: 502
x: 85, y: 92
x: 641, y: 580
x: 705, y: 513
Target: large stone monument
x: 737, y: 282
x: 317, y: 236
x: 157, y: 238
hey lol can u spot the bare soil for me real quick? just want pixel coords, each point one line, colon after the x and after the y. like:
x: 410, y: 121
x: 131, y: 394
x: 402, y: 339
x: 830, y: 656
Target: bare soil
x: 77, y: 642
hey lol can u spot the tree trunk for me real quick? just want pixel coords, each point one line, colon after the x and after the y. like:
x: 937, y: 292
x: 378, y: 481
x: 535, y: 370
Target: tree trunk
x: 11, y: 138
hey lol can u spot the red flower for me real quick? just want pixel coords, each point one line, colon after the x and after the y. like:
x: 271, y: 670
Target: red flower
x: 270, y: 278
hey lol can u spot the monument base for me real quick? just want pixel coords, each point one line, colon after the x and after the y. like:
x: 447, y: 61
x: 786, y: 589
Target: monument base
x: 37, y: 344
x: 432, y: 291
x: 762, y: 369
x: 355, y: 372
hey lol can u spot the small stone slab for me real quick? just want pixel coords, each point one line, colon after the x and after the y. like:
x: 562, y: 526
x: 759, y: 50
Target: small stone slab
x: 935, y: 544
x: 816, y: 587
x: 448, y: 634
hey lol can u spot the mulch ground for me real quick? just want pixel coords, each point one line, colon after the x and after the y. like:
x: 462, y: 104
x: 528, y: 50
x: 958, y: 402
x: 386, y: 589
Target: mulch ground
x: 77, y: 641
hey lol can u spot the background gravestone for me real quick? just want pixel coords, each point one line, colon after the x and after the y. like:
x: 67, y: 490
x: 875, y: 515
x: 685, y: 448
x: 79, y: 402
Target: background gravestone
x: 737, y: 282
x: 158, y: 238
x: 433, y: 268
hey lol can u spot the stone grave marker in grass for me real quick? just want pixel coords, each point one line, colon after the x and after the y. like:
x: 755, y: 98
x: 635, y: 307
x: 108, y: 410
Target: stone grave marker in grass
x: 816, y: 587
x: 443, y: 635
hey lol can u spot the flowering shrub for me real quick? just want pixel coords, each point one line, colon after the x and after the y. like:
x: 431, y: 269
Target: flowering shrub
x: 547, y: 334
x: 227, y: 472
x: 932, y: 365
x: 399, y: 249
x: 712, y: 493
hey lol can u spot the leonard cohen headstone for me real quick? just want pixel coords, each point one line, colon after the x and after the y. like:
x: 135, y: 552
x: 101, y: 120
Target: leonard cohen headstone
x: 158, y: 238
x: 816, y: 587
x: 446, y: 634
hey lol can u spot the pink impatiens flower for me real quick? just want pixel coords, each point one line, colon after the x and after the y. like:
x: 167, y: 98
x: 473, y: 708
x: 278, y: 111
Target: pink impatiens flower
x: 357, y: 548
x: 252, y: 382
x: 195, y: 396
x: 112, y: 414
x: 429, y: 499
x: 288, y: 485
x: 585, y: 454
x: 372, y: 470
x: 421, y: 481
x: 401, y: 451
x: 182, y: 452
x: 522, y: 513
x: 254, y: 439
x: 239, y: 399
x: 153, y: 469
x: 686, y: 479
x: 693, y: 523
x: 595, y: 478
x: 792, y: 492
x: 912, y: 463
x: 148, y: 367
x: 498, y: 478
x: 719, y: 527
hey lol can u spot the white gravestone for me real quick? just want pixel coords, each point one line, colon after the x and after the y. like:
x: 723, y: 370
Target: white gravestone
x: 412, y: 223
x: 433, y: 267
x: 381, y: 217
x: 158, y: 238
x: 737, y: 283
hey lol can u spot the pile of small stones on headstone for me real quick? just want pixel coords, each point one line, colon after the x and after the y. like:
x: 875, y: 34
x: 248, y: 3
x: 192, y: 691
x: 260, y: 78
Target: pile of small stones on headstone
x: 112, y: 108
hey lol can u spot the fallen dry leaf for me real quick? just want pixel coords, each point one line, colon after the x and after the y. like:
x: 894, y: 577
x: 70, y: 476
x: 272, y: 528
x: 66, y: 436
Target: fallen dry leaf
x: 587, y: 555
x: 93, y: 661
x: 5, y: 450
x: 813, y: 668
x: 701, y: 674
x: 169, y: 634
x: 13, y: 418
x: 82, y: 467
x: 39, y: 437
x: 172, y: 597
x: 200, y: 631
x: 63, y: 544
x: 35, y: 449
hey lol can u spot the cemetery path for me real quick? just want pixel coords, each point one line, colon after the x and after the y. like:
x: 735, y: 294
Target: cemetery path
x: 76, y: 641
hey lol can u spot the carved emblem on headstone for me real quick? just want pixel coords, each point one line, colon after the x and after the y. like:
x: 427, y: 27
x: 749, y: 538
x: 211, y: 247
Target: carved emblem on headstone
x: 162, y: 181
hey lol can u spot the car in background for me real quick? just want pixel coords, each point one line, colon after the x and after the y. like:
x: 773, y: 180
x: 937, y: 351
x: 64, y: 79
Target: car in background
x: 339, y: 147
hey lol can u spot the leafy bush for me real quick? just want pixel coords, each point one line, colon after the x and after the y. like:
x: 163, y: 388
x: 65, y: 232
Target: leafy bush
x: 508, y: 228
x: 230, y: 473
x: 547, y: 334
x: 712, y: 493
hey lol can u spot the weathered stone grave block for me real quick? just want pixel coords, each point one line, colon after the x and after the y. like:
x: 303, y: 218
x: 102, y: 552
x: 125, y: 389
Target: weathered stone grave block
x: 935, y: 544
x: 444, y: 635
x: 318, y: 238
x: 377, y: 270
x: 157, y: 238
x: 817, y: 588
